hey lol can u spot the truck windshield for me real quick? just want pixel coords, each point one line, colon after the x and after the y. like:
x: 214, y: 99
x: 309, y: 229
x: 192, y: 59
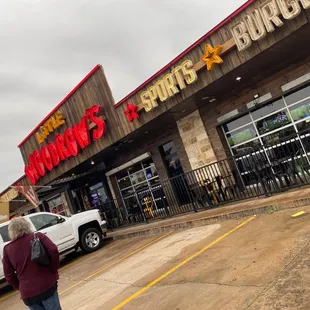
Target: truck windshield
x: 4, y: 233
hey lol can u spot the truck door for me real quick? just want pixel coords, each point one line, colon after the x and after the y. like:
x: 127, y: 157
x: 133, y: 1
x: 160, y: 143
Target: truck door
x: 56, y: 227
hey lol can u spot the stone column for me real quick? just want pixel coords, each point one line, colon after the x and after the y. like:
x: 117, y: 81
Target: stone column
x: 196, y: 141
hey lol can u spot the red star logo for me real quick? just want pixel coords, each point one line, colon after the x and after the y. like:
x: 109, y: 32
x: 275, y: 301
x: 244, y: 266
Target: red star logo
x: 131, y: 112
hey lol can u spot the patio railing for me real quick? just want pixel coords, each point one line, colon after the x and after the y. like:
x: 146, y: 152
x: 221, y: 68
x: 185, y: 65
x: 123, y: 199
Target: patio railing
x: 251, y: 173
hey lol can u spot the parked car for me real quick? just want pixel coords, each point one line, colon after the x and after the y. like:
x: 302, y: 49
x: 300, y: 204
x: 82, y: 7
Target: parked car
x: 84, y: 230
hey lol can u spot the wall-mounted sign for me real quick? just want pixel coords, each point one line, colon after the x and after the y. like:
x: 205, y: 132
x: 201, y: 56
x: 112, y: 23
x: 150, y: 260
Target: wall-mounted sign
x: 9, y: 195
x: 265, y: 19
x: 4, y: 212
x: 168, y: 86
x: 49, y: 127
x: 66, y: 145
x: 174, y: 82
x: 211, y: 57
x: 131, y: 112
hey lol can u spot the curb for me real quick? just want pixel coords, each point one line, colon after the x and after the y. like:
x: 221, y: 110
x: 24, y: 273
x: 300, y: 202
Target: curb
x: 216, y: 218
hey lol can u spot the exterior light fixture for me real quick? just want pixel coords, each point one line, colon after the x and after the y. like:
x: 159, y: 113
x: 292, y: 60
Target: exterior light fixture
x: 92, y: 162
x: 212, y: 100
x: 205, y: 98
x: 238, y: 78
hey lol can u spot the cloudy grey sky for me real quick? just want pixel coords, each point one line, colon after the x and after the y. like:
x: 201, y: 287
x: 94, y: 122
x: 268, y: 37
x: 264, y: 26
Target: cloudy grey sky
x: 48, y: 46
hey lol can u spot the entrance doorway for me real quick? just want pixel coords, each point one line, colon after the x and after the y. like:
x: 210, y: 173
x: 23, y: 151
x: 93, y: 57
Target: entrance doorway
x: 175, y: 171
x: 141, y: 190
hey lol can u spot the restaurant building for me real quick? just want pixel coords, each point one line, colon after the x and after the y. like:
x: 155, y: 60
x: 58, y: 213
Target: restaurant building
x: 227, y: 119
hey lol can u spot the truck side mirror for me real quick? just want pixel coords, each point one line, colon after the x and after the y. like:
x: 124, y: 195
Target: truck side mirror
x: 61, y: 219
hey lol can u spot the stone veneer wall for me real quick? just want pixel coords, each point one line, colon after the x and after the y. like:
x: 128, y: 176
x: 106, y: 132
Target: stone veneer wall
x: 196, y: 141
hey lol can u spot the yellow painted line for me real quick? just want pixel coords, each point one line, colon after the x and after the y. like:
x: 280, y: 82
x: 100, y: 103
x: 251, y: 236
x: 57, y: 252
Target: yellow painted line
x: 8, y: 296
x: 299, y: 213
x: 83, y: 258
x: 165, y: 275
x: 114, y: 263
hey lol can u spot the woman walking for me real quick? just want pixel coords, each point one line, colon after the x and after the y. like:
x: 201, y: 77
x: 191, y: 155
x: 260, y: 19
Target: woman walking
x: 37, y: 284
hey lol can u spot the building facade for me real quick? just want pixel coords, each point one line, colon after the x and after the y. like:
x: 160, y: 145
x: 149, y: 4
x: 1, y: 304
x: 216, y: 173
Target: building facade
x: 226, y: 117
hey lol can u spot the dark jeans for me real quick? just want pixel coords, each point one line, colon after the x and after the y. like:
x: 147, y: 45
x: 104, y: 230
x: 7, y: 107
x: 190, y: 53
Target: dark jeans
x: 51, y: 303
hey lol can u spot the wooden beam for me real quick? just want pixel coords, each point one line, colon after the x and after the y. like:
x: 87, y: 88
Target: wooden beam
x: 226, y: 47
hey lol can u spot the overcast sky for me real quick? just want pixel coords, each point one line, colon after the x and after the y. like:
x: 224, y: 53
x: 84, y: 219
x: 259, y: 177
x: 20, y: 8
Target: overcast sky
x: 48, y: 46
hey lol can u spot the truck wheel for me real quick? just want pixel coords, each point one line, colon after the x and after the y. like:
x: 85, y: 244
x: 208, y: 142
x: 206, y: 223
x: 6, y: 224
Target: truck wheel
x: 91, y: 240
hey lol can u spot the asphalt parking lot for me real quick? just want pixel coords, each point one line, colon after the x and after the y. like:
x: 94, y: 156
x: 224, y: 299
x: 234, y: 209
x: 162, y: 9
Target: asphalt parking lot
x: 253, y: 263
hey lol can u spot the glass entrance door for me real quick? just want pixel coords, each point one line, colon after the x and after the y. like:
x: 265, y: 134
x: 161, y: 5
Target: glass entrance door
x: 141, y: 190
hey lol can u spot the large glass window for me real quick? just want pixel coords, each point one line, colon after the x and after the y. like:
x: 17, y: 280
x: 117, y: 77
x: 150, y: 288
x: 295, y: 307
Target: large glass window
x: 239, y: 122
x: 298, y: 95
x: 241, y: 135
x: 57, y: 206
x: 273, y: 122
x: 123, y: 179
x: 171, y: 159
x: 278, y: 136
x: 247, y: 147
x: 267, y: 128
x: 303, y: 125
x: 98, y: 194
x: 138, y: 177
x: 301, y: 110
x: 268, y: 109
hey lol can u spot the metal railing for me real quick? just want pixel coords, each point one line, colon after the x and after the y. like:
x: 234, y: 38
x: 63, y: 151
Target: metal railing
x: 277, y: 167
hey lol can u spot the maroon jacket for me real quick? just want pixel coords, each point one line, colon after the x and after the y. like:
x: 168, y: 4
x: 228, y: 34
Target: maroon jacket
x: 30, y: 278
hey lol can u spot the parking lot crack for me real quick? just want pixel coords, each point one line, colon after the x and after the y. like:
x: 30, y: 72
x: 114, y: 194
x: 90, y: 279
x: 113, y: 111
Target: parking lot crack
x: 288, y: 266
x: 217, y: 283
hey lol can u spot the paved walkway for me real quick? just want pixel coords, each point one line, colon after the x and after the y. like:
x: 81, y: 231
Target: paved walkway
x: 290, y: 199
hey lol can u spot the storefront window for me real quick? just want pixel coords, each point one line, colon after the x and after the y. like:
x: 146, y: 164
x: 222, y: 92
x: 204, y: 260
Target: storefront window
x: 278, y: 136
x: 138, y: 177
x: 151, y: 172
x: 142, y: 186
x: 241, y: 135
x: 298, y: 95
x: 303, y: 125
x: 154, y: 182
x: 291, y: 112
x: 171, y: 159
x: 98, y: 194
x: 268, y: 109
x: 247, y: 147
x: 273, y: 122
x: 300, y: 110
x: 136, y: 183
x: 123, y: 180
x: 57, y: 206
x: 135, y: 168
x: 243, y: 120
x: 128, y: 192
x: 147, y: 163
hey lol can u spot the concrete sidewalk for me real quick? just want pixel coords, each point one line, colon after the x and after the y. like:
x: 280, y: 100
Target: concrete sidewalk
x: 291, y: 199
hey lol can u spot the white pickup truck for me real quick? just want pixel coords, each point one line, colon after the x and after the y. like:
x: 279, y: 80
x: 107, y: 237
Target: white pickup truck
x: 84, y: 230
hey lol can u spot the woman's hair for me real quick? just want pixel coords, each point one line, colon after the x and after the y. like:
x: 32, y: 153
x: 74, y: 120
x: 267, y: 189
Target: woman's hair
x: 19, y: 227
